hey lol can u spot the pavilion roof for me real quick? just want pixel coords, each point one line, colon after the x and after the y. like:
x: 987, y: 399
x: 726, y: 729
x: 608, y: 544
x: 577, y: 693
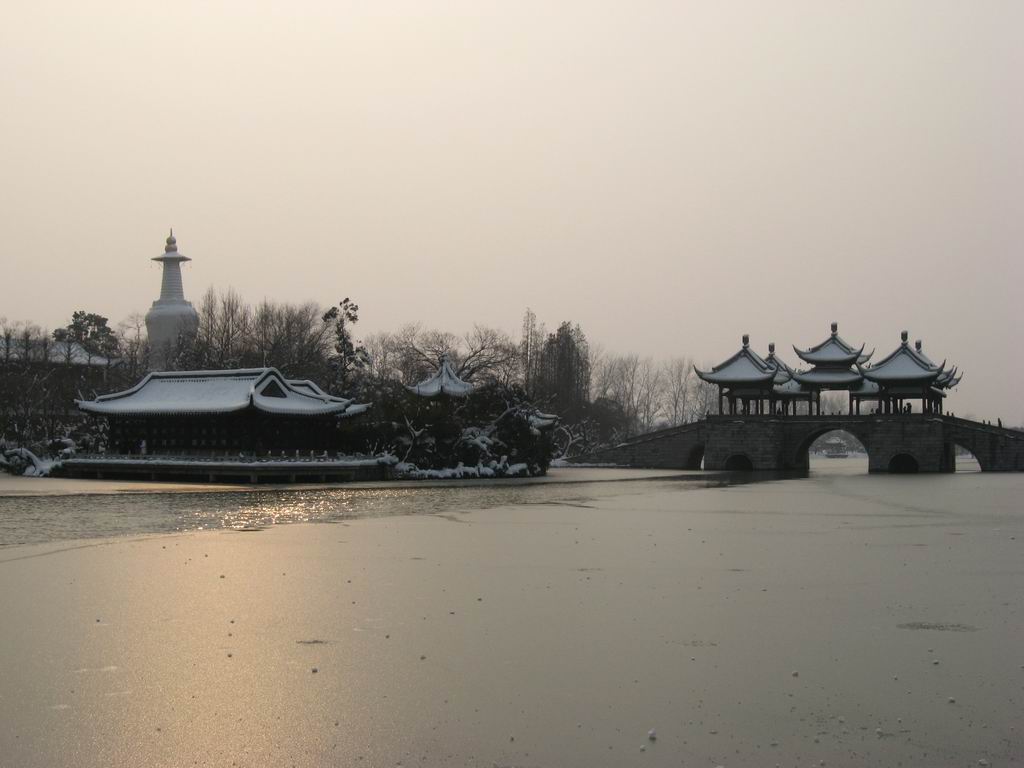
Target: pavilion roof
x: 833, y: 352
x: 945, y: 380
x: 948, y: 379
x: 791, y: 389
x: 179, y: 393
x: 905, y: 365
x: 828, y: 377
x: 745, y: 368
x: 783, y: 372
x: 444, y: 382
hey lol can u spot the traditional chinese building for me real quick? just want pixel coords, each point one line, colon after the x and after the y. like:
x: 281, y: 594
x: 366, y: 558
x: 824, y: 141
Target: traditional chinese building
x: 908, y: 374
x: 786, y: 391
x: 832, y: 366
x: 208, y: 413
x: 444, y: 382
x: 750, y: 384
x: 745, y: 381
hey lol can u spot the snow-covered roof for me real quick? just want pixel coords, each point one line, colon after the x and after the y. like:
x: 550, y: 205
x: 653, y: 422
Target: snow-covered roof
x: 208, y: 392
x: 945, y: 380
x: 444, y: 382
x: 948, y: 379
x: 783, y: 372
x: 55, y: 352
x: 825, y: 377
x: 543, y: 421
x: 904, y: 366
x: 790, y: 389
x: 746, y: 367
x: 833, y: 351
x: 307, y: 386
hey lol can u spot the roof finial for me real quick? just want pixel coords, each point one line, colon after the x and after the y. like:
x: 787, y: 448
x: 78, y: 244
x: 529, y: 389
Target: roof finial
x: 771, y: 347
x: 746, y: 339
x: 172, y: 244
x: 917, y: 345
x: 835, y: 327
x: 903, y: 337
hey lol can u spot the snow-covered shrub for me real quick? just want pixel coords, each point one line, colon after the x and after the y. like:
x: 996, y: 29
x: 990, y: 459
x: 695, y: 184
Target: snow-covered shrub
x: 482, y: 435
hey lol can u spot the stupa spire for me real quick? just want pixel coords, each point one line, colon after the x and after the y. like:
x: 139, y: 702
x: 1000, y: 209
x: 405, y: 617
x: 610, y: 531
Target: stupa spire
x: 170, y: 316
x: 171, y: 288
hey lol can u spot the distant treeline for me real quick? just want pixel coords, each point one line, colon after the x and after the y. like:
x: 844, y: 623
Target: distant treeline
x: 599, y: 396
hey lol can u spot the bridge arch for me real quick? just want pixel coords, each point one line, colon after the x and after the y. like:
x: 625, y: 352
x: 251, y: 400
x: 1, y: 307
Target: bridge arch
x: 955, y: 460
x: 799, y: 457
x: 964, y: 459
x: 694, y: 457
x: 903, y: 464
x: 739, y: 462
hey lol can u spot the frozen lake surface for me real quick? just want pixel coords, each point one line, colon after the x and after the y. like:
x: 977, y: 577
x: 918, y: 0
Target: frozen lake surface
x: 852, y: 619
x: 39, y: 510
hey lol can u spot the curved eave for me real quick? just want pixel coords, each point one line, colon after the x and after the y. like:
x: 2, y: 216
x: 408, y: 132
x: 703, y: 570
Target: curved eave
x: 812, y: 357
x: 102, y: 409
x: 831, y: 379
x: 877, y: 374
x: 713, y: 378
x: 431, y: 392
x: 332, y: 409
x: 900, y: 381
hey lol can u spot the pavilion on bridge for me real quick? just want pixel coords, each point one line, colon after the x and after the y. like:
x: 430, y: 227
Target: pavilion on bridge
x: 909, y: 374
x: 750, y: 384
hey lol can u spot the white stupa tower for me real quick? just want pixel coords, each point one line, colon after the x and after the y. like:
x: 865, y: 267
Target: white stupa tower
x: 170, y: 316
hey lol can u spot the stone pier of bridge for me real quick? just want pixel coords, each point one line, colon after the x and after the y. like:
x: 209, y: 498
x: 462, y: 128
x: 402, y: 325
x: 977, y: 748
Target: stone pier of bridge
x: 894, y: 443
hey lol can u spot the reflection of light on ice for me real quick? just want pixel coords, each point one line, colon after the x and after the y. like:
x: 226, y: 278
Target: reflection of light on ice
x: 180, y: 508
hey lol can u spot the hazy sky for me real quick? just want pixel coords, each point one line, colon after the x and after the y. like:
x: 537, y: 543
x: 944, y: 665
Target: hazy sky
x: 668, y: 175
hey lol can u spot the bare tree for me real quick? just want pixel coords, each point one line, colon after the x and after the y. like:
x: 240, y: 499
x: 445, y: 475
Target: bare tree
x: 487, y: 355
x: 635, y: 384
x: 133, y: 346
x: 232, y: 329
x: 677, y: 387
x: 703, y: 400
x: 530, y: 347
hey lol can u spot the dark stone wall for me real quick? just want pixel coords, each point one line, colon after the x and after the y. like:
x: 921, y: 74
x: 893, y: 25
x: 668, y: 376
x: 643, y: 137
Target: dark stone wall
x: 674, y: 448
x: 996, y: 449
x: 761, y: 440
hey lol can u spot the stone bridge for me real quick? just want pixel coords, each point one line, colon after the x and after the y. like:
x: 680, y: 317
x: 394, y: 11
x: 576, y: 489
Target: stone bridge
x: 894, y: 443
